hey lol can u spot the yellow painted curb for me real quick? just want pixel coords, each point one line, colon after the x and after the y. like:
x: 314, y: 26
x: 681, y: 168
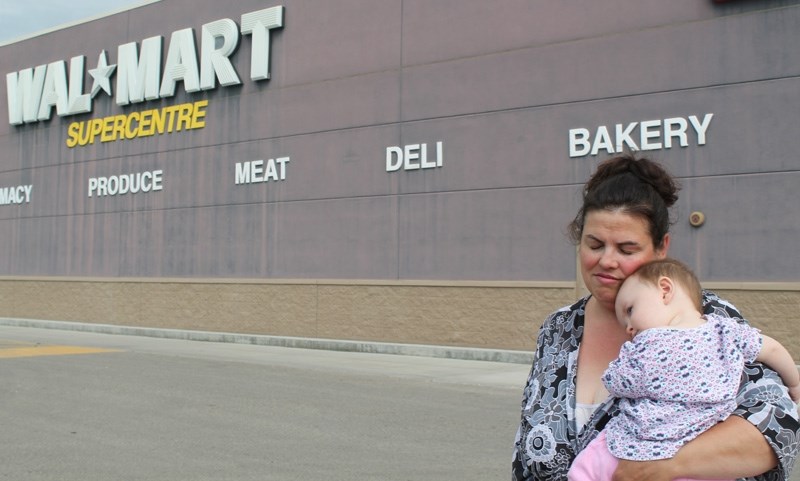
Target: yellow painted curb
x: 36, y: 351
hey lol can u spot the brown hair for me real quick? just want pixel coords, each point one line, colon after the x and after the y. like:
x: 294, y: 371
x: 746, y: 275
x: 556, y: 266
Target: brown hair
x: 675, y: 270
x: 636, y: 185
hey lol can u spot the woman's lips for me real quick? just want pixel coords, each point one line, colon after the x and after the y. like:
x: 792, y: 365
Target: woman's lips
x: 606, y: 279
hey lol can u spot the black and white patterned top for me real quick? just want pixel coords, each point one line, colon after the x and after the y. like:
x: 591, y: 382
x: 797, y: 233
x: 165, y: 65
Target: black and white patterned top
x: 548, y: 440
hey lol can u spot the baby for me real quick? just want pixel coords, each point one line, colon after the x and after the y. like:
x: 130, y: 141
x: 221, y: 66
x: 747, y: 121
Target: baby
x: 680, y: 373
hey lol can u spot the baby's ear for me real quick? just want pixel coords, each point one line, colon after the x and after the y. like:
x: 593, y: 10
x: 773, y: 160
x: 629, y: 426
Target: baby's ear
x: 667, y: 288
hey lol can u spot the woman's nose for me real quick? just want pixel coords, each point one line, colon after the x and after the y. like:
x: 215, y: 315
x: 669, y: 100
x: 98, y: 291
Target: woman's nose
x: 608, y: 259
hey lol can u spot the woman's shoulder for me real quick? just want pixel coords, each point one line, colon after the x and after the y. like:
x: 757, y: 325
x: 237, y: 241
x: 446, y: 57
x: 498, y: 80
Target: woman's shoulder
x: 570, y: 310
x: 571, y: 313
x: 715, y: 305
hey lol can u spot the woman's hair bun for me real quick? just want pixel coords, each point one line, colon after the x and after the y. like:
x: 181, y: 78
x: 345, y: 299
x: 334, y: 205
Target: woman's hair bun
x: 638, y: 186
x: 644, y: 169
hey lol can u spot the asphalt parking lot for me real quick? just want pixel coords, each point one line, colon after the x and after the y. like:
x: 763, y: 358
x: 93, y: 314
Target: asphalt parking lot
x: 87, y: 406
x: 93, y: 406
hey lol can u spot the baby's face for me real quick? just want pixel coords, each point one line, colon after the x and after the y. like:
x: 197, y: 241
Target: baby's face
x: 639, y: 306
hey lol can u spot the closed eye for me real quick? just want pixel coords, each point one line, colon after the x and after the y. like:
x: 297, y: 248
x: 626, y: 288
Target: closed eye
x: 629, y: 248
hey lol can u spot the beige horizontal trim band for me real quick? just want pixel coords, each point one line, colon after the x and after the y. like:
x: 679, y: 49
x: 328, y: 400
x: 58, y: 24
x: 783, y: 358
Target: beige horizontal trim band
x: 752, y: 286
x: 743, y: 286
x: 319, y: 282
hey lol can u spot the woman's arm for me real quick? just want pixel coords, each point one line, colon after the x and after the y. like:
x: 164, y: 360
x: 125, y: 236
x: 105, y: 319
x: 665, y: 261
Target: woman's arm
x: 760, y: 439
x: 737, y: 448
x: 762, y: 401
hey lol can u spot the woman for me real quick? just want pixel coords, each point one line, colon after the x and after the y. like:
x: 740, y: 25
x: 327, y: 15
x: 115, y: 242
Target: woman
x: 624, y: 223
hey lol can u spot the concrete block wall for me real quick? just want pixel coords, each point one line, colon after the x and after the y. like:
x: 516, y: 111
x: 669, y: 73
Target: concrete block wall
x: 470, y: 315
x: 484, y: 315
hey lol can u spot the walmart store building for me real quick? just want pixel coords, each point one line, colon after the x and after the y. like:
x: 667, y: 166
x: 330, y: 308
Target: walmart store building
x: 387, y: 170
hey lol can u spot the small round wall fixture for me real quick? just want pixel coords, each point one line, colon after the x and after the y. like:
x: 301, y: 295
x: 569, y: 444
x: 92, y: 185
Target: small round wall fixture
x: 697, y: 218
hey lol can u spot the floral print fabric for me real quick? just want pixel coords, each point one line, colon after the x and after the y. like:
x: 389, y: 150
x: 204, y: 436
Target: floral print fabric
x: 674, y: 384
x: 548, y: 440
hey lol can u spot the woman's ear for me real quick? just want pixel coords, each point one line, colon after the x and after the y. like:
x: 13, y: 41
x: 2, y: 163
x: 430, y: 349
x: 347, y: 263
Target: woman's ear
x: 664, y: 249
x: 667, y: 288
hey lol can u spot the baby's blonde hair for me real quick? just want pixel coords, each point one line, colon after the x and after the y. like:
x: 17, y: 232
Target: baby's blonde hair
x: 675, y: 270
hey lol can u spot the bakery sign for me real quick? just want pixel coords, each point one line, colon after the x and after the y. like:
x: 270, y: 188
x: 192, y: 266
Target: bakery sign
x: 34, y: 92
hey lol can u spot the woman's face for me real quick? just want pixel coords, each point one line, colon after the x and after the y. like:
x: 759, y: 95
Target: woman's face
x: 613, y: 245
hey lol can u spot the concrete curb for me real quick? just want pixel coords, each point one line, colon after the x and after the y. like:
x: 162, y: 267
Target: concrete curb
x: 447, y: 352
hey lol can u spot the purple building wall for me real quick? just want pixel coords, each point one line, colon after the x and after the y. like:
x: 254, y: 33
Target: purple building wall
x: 499, y: 84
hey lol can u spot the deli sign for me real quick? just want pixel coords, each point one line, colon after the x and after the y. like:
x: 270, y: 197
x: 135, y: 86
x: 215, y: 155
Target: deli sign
x: 33, y: 92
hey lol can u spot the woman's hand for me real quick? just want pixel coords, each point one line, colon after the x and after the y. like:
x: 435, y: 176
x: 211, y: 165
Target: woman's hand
x: 737, y: 448
x: 660, y: 470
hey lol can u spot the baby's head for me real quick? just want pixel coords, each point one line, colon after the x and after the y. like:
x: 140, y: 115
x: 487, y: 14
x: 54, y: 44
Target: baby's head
x: 656, y: 293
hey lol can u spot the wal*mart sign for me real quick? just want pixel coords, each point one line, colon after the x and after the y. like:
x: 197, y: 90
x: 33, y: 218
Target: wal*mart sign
x: 33, y: 92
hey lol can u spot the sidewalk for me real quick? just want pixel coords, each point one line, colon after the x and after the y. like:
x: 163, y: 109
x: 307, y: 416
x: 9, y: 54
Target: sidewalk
x: 447, y: 352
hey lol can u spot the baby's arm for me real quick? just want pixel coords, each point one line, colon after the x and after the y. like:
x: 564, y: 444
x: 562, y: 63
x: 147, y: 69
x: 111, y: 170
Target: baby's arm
x: 774, y: 355
x: 625, y: 376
